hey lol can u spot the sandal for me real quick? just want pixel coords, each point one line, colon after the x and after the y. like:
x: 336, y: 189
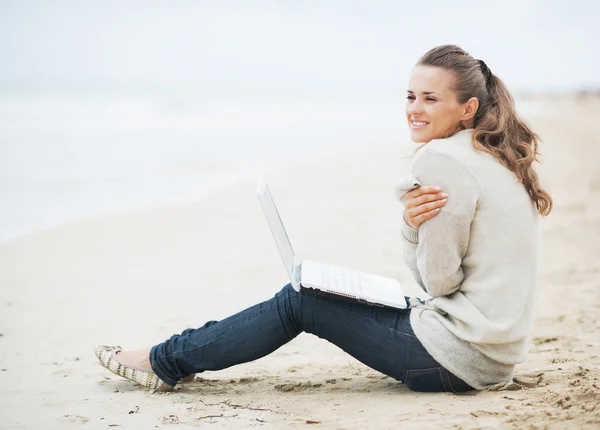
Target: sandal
x: 148, y: 380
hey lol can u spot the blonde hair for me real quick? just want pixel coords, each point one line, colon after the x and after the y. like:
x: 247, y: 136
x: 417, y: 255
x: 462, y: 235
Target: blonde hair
x: 498, y: 130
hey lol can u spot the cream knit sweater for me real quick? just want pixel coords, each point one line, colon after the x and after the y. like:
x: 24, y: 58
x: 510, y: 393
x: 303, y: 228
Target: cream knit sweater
x: 477, y: 258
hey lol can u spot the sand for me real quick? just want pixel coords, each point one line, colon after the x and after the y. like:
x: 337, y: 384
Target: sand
x: 135, y: 279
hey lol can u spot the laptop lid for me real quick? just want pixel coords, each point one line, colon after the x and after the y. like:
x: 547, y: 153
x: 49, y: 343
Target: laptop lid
x: 279, y: 234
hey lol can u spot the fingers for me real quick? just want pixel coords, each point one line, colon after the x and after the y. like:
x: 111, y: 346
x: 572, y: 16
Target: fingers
x: 415, y: 211
x: 420, y: 219
x: 425, y: 189
x: 422, y: 204
x: 412, y: 202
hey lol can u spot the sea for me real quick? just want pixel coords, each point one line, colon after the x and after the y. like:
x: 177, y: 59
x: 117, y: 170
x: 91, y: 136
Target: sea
x: 67, y: 156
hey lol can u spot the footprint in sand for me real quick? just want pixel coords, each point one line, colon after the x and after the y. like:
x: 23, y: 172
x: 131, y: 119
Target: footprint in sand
x: 246, y: 380
x: 299, y: 386
x: 540, y: 340
x: 75, y: 419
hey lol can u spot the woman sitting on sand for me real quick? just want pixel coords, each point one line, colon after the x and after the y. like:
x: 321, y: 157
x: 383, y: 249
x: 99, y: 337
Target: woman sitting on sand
x: 471, y: 245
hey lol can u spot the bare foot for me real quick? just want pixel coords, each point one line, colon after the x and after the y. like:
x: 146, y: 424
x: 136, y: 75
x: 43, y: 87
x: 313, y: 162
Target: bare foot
x: 137, y: 359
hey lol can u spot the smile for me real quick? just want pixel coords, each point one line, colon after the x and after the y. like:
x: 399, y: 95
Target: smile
x: 417, y: 125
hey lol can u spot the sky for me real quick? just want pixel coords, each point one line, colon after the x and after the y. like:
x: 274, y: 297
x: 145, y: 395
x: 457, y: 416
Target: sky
x: 534, y: 45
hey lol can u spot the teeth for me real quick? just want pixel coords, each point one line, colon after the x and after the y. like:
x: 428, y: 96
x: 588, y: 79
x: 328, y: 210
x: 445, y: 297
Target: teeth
x: 419, y: 124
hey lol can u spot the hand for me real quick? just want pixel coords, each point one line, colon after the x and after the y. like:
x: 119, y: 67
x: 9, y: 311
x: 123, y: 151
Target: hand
x: 422, y: 204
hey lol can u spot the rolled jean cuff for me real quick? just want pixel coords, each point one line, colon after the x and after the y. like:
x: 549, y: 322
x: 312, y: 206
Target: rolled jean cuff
x: 158, y: 369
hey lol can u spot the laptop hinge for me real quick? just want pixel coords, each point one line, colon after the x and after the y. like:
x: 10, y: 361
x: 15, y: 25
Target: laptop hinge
x: 297, y: 274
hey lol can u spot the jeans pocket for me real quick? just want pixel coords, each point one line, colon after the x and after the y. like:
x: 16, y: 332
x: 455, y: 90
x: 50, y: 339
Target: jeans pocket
x: 427, y: 380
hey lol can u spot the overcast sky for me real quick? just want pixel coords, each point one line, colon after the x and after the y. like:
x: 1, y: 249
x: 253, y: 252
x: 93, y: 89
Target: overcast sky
x: 531, y: 44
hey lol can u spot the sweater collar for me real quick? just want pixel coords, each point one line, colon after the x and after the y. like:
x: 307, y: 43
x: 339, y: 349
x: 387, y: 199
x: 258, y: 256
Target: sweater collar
x: 463, y: 137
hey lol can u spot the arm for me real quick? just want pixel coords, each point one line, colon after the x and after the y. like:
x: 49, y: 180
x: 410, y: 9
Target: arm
x: 410, y: 234
x: 443, y: 240
x: 409, y: 251
x: 421, y: 202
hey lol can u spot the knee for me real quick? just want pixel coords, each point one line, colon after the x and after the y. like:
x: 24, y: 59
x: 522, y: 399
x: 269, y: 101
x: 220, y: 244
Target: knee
x: 288, y: 295
x: 288, y: 304
x: 287, y: 291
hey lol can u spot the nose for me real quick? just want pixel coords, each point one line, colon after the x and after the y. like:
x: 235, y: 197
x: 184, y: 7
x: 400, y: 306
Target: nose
x: 415, y: 107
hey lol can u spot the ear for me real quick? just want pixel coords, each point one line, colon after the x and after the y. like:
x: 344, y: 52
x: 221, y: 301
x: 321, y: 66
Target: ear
x: 470, y: 109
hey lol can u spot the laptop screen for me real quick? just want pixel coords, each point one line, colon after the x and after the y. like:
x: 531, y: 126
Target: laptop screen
x: 276, y: 225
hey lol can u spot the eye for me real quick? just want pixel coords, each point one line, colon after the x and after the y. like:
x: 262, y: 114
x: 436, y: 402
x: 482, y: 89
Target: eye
x: 410, y: 97
x: 430, y: 99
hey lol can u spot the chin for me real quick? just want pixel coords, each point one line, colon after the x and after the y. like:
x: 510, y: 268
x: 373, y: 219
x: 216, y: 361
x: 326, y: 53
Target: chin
x: 419, y: 137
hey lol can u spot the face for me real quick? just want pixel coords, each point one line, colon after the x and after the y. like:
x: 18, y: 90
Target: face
x: 432, y: 108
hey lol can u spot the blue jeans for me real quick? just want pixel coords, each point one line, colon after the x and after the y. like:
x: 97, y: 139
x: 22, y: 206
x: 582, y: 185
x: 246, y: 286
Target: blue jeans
x: 381, y: 338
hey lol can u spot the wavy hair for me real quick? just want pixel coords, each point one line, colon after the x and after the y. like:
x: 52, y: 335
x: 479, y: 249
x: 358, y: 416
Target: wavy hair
x: 498, y: 130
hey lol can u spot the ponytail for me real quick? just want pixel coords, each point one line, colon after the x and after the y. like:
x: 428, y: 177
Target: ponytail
x: 499, y: 131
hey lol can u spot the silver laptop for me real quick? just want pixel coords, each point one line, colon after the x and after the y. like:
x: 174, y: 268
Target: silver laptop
x: 323, y: 278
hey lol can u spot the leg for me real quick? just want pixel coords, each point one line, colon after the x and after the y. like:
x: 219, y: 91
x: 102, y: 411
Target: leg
x: 381, y: 338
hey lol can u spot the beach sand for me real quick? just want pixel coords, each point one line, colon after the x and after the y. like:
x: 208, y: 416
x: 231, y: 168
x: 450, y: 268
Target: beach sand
x: 135, y: 279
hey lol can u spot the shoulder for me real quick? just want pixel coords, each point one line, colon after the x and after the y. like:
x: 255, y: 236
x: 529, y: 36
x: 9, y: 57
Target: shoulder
x: 457, y: 148
x: 454, y: 152
x: 445, y: 162
x: 440, y: 158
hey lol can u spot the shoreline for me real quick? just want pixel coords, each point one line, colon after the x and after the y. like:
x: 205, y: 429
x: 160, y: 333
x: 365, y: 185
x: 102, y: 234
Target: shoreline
x: 88, y: 186
x: 216, y: 183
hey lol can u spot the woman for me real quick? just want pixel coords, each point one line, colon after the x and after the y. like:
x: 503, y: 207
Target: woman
x: 472, y: 248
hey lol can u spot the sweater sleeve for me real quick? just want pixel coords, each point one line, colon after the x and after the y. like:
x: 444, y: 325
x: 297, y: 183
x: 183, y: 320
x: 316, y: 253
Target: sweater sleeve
x: 444, y: 239
x: 410, y: 240
x: 410, y: 236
